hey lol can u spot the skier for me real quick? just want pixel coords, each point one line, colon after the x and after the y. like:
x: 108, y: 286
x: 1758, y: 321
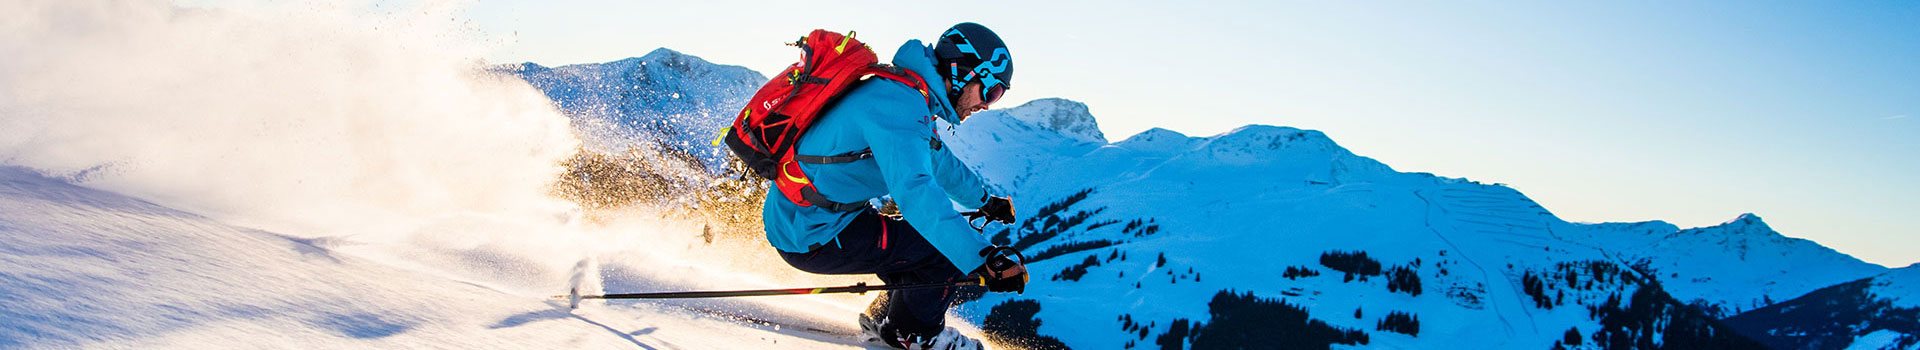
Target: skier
x: 879, y: 140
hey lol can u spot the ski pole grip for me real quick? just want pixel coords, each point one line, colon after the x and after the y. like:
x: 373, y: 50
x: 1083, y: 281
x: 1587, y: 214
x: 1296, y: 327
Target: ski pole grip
x: 977, y: 215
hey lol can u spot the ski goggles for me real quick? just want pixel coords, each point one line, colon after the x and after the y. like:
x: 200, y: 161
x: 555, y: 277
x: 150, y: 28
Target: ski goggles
x: 994, y: 93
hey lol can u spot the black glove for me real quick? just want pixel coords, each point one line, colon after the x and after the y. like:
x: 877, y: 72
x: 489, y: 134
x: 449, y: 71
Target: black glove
x: 1005, y: 270
x: 998, y: 209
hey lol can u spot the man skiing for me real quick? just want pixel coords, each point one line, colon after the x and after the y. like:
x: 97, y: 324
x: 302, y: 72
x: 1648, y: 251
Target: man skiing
x: 880, y: 140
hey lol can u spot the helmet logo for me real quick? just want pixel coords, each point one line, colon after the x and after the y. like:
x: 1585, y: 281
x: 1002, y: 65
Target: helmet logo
x: 987, y: 70
x: 961, y: 43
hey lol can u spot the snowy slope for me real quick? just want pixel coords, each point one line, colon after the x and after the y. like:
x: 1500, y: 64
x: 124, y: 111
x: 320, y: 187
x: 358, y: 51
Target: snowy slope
x: 1877, y: 312
x: 87, y: 268
x: 1900, y: 287
x: 292, y: 175
x: 1694, y: 264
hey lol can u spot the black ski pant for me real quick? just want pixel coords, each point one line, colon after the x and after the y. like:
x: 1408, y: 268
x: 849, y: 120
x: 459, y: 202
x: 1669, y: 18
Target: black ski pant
x: 894, y: 251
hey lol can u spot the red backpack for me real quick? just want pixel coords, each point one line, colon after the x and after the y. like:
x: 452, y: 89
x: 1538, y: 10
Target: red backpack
x: 767, y: 130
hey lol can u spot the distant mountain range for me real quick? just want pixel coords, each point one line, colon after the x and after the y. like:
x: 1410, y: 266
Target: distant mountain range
x: 1266, y: 235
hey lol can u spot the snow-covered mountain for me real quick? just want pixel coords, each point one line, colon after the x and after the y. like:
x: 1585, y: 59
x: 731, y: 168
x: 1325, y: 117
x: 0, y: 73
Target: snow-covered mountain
x: 1694, y: 264
x: 665, y: 97
x: 1183, y: 232
x: 1067, y: 117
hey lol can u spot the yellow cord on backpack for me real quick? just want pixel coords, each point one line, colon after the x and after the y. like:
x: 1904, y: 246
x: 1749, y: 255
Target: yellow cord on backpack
x: 843, y: 43
x: 722, y: 135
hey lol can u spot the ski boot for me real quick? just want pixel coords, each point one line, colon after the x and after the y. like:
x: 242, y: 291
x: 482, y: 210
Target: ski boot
x: 870, y: 330
x: 948, y: 339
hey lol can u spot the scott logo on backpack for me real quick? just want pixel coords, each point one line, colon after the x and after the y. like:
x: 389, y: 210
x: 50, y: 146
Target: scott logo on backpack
x: 767, y: 130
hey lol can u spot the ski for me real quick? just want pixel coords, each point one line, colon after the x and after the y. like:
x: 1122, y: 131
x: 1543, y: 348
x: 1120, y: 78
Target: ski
x: 573, y: 296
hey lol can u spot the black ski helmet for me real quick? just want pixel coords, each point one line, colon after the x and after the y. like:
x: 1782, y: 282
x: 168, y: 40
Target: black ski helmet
x: 970, y: 52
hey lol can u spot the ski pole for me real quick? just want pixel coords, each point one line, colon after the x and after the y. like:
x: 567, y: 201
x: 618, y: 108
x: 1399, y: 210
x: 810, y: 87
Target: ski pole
x: 862, y: 288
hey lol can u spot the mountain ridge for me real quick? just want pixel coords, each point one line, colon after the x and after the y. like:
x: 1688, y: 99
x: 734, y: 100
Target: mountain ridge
x: 1775, y: 267
x: 664, y: 97
x: 1067, y: 117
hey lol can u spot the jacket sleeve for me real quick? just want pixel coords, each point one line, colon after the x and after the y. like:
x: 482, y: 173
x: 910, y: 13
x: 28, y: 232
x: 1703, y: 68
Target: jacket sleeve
x: 963, y: 186
x: 902, y: 146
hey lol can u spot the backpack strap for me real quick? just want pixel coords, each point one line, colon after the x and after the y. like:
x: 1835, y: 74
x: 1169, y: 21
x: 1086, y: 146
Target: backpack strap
x: 911, y: 79
x: 807, y: 191
x: 813, y: 195
x: 820, y: 201
x: 844, y: 158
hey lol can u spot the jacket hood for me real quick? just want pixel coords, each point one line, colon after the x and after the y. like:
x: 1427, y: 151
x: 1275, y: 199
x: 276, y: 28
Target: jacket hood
x: 918, y: 57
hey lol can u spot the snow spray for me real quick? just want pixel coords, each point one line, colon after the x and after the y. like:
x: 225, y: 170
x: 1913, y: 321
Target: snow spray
x: 314, y: 119
x: 376, y: 127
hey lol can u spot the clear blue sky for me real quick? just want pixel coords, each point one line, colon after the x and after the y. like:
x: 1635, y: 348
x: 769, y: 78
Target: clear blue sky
x: 1806, y: 113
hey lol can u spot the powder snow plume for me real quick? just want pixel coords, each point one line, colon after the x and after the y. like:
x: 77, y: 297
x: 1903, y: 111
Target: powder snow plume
x: 290, y: 119
x: 333, y: 119
x: 356, y: 127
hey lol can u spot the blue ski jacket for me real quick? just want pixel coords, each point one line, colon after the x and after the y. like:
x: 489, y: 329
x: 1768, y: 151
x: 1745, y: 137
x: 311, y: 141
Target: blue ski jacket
x: 908, y: 162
